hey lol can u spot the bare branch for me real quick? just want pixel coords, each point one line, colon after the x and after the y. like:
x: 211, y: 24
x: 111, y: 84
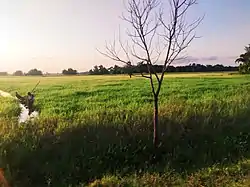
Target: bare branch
x: 178, y: 34
x: 125, y: 50
x: 145, y: 76
x: 145, y: 18
x: 133, y: 53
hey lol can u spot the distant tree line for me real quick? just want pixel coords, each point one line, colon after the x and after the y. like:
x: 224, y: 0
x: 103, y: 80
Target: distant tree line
x: 142, y: 68
x: 32, y: 72
x: 36, y: 72
x: 70, y: 71
x: 18, y: 73
x: 129, y: 69
x: 3, y: 73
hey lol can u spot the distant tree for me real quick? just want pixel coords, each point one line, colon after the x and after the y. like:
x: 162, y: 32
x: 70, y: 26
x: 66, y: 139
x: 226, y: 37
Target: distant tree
x: 128, y: 69
x: 3, y: 73
x: 111, y: 70
x: 100, y: 70
x: 96, y: 70
x: 117, y: 70
x: 147, y: 21
x: 70, y: 71
x: 103, y: 70
x: 18, y: 73
x: 141, y: 68
x: 34, y: 72
x: 244, y: 61
x: 64, y: 72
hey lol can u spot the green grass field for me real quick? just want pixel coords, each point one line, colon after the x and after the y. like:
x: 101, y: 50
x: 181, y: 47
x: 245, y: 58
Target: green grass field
x: 95, y: 130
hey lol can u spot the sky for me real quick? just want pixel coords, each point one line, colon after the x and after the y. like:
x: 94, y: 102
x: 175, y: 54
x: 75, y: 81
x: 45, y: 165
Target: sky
x: 52, y: 35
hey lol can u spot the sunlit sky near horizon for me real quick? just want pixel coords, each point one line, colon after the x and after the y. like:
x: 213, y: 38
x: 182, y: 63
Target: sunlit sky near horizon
x: 52, y: 35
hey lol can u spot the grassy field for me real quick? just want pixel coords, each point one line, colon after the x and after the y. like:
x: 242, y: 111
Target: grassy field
x: 95, y: 130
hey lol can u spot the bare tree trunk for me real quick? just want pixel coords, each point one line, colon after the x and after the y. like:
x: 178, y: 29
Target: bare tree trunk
x: 156, y: 121
x: 176, y: 37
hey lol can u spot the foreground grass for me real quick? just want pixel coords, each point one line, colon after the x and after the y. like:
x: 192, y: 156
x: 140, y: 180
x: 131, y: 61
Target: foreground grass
x: 9, y: 111
x: 97, y: 130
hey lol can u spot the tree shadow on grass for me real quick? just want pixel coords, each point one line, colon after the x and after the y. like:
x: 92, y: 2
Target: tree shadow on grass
x: 84, y: 153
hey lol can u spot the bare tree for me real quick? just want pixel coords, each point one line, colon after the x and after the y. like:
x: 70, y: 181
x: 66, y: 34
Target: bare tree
x: 154, y: 37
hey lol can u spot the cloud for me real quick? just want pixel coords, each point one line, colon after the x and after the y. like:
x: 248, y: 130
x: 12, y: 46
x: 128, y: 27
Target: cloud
x: 232, y: 57
x: 205, y: 60
x: 186, y: 60
x: 225, y: 60
x: 210, y: 58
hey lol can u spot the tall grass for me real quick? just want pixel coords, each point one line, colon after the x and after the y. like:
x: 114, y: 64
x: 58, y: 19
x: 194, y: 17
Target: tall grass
x: 97, y: 130
x: 9, y: 111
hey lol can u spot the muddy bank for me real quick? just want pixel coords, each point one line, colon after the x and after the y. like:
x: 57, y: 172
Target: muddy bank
x: 24, y: 115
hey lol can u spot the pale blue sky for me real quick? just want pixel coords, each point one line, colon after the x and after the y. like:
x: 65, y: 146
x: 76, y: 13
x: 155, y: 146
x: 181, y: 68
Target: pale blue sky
x: 55, y: 34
